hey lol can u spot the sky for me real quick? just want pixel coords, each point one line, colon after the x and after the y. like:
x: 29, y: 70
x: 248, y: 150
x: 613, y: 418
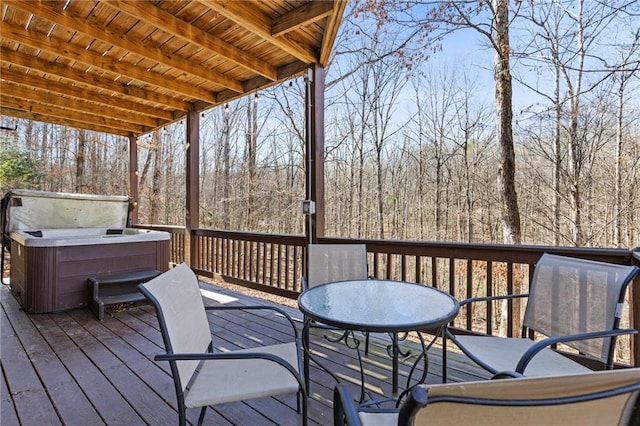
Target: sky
x: 468, y: 49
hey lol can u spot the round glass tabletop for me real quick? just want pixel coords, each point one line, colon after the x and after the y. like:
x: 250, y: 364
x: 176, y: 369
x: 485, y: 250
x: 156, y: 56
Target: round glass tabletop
x: 378, y: 305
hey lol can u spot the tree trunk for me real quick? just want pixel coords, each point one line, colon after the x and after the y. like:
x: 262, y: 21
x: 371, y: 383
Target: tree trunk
x: 617, y: 229
x: 155, y: 183
x: 502, y: 75
x: 80, y: 152
x: 557, y: 163
x: 251, y: 138
x: 226, y: 169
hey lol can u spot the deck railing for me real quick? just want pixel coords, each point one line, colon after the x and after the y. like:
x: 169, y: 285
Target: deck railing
x: 274, y: 263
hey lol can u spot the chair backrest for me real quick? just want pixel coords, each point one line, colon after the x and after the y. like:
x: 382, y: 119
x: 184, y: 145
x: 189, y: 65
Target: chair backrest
x: 570, y: 296
x: 598, y: 398
x: 182, y: 317
x: 336, y: 262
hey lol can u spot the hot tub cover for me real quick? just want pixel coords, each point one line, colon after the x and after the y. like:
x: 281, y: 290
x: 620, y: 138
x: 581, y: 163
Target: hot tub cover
x: 24, y: 209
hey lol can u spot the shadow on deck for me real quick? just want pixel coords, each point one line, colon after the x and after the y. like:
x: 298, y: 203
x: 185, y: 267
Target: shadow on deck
x: 69, y: 368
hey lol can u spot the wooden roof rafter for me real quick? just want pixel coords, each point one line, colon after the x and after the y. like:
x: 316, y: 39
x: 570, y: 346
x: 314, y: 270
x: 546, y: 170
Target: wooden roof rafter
x: 148, y: 63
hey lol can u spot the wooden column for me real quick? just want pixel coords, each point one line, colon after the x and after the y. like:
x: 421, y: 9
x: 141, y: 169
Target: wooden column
x: 133, y: 178
x: 314, y: 225
x: 192, y: 219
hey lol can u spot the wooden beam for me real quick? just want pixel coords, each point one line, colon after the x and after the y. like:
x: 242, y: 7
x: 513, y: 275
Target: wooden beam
x: 330, y: 31
x: 106, y: 63
x: 285, y: 72
x: 63, y: 113
x: 47, y: 10
x: 152, y: 15
x: 250, y: 18
x: 63, y: 88
x: 62, y: 122
x: 307, y: 13
x: 47, y: 98
x: 75, y: 75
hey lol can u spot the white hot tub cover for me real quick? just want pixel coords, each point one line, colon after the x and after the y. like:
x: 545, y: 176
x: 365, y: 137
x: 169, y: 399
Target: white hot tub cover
x: 30, y: 209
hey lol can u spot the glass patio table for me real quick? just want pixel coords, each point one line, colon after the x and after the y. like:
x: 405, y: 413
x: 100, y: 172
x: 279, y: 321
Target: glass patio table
x: 383, y: 306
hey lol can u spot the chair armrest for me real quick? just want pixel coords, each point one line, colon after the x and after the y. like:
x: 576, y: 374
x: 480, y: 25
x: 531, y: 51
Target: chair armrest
x: 207, y: 356
x: 533, y: 350
x: 490, y: 298
x: 345, y: 411
x: 507, y: 375
x: 257, y: 307
x: 417, y: 399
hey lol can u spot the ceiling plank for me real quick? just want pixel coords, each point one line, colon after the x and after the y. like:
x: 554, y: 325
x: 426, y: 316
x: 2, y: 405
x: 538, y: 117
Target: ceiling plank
x: 54, y: 100
x: 250, y: 18
x: 67, y: 114
x: 308, y: 13
x: 81, y: 93
x: 65, y: 19
x: 88, y: 57
x: 54, y: 68
x: 10, y: 112
x: 147, y: 12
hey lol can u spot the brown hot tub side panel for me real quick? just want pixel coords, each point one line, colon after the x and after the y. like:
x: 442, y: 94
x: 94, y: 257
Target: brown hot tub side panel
x: 54, y: 279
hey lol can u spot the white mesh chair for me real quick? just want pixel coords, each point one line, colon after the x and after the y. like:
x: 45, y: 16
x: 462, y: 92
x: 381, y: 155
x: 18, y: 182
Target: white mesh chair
x: 203, y: 377
x: 335, y: 262
x: 339, y: 262
x: 571, y: 301
x: 595, y: 398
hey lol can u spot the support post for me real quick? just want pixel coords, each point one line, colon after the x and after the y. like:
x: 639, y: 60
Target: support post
x: 192, y: 219
x: 314, y: 106
x: 133, y: 179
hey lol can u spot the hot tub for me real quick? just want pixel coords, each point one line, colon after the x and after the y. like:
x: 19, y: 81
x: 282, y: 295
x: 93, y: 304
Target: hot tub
x: 50, y: 266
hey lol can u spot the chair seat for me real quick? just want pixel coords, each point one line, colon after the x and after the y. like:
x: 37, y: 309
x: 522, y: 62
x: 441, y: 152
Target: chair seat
x: 503, y: 354
x: 378, y: 419
x: 220, y: 381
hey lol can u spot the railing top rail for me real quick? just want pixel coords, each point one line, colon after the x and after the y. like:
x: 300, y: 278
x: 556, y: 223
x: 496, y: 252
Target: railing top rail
x: 252, y: 236
x: 487, y: 252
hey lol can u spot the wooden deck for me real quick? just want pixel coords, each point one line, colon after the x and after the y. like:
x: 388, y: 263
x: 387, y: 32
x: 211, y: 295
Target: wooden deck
x: 71, y: 369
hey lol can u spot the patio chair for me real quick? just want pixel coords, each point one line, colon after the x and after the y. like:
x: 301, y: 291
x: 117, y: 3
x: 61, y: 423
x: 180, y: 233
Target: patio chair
x: 571, y: 301
x: 203, y: 377
x: 335, y: 262
x: 341, y: 262
x: 595, y: 398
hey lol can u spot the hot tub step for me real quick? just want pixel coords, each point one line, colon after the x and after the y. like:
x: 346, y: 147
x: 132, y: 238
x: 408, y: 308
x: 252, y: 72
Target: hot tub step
x: 116, y: 289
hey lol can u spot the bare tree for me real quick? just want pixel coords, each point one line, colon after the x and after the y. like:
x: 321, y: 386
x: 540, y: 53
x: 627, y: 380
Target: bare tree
x: 434, y: 20
x: 434, y: 123
x: 629, y: 67
x: 567, y: 39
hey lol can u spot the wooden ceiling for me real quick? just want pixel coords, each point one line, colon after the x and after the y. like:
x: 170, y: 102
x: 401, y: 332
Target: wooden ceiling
x: 127, y: 67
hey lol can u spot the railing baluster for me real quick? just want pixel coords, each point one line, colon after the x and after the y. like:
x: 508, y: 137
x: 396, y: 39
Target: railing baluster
x: 470, y: 293
x: 510, y: 313
x: 489, y: 287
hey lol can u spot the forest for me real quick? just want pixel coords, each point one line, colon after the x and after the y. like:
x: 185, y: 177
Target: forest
x: 411, y: 135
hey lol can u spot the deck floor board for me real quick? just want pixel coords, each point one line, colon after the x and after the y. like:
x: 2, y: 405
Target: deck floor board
x: 68, y: 368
